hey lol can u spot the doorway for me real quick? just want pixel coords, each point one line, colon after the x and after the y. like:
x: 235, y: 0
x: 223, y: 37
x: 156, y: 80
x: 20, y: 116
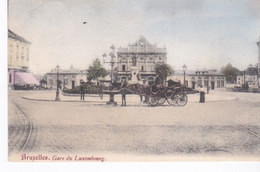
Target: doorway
x: 72, y: 84
x: 212, y: 85
x: 193, y: 85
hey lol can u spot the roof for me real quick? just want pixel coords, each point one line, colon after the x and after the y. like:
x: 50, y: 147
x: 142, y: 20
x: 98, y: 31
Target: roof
x: 68, y: 71
x: 13, y: 35
x: 141, y: 46
x: 198, y: 73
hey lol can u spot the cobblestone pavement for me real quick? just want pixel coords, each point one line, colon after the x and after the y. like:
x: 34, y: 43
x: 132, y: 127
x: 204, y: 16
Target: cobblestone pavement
x: 225, y: 128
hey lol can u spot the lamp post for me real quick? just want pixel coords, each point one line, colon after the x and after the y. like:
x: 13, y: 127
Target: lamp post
x: 184, y: 67
x: 112, y: 63
x: 57, y: 90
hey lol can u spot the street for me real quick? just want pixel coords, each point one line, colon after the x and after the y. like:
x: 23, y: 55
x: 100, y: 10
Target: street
x: 225, y: 127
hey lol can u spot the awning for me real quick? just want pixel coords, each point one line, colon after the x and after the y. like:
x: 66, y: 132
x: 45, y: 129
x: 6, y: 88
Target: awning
x: 24, y: 78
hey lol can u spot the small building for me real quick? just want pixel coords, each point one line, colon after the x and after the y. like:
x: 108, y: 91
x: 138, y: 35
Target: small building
x: 247, y: 77
x: 69, y: 78
x: 204, y: 78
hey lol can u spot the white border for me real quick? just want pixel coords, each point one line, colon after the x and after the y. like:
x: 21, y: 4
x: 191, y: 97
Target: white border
x: 10, y: 166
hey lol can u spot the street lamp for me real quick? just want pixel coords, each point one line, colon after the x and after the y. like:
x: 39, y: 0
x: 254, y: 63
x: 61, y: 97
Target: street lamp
x: 57, y: 90
x: 111, y: 62
x: 184, y: 67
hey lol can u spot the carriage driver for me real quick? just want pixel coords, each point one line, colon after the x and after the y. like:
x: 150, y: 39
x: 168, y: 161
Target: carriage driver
x: 157, y: 80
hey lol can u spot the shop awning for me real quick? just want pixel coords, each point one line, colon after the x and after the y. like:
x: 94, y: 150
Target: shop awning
x: 24, y: 78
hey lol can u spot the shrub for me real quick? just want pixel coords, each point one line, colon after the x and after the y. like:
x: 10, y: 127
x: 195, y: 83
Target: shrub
x: 89, y: 89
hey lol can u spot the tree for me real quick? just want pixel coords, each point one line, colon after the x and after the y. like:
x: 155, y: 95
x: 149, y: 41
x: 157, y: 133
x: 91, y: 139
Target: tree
x: 230, y: 72
x: 251, y: 69
x: 96, y: 70
x: 163, y: 70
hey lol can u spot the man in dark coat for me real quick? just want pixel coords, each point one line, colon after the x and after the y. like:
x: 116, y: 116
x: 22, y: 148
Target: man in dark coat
x: 123, y: 91
x: 157, y: 80
x: 202, y: 95
x: 82, y: 91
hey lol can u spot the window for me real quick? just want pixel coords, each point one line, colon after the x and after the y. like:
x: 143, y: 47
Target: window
x: 222, y: 83
x: 218, y: 84
x: 199, y: 83
x: 205, y: 83
x: 142, y: 68
x: 123, y: 67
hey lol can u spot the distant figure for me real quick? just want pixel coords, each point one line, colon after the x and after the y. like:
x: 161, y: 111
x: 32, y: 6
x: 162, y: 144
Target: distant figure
x: 208, y: 88
x: 100, y: 91
x: 82, y: 91
x: 202, y: 95
x: 123, y: 92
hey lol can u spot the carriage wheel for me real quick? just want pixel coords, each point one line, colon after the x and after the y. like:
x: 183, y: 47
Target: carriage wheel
x: 182, y: 99
x: 153, y: 101
x: 161, y: 101
x: 173, y: 100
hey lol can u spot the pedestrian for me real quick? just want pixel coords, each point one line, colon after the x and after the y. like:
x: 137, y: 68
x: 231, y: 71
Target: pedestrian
x: 82, y: 91
x: 208, y: 88
x: 123, y: 91
x: 202, y: 95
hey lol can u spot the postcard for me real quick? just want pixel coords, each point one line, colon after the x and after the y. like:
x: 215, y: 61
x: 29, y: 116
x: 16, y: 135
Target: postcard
x: 133, y: 81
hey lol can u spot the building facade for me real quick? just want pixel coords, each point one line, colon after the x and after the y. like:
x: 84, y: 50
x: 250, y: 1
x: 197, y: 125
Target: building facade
x: 139, y: 58
x: 19, y: 75
x: 18, y: 51
x: 247, y: 77
x: 204, y: 78
x: 69, y: 78
x: 207, y: 78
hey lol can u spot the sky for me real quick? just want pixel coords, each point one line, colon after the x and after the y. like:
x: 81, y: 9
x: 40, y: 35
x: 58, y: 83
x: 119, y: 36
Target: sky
x: 199, y: 33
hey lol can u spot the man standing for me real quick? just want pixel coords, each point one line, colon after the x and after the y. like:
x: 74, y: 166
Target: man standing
x: 202, y: 95
x: 82, y: 91
x: 123, y: 92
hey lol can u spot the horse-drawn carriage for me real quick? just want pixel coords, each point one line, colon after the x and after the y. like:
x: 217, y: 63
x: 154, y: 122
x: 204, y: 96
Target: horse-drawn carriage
x: 155, y: 95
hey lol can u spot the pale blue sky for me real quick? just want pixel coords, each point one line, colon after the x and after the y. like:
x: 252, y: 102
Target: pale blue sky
x: 201, y: 34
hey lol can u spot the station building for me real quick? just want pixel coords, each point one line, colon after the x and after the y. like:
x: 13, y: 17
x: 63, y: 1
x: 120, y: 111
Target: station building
x: 139, y: 58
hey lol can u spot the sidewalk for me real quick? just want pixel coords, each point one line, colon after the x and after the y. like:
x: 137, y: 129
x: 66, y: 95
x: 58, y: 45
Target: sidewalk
x: 213, y: 96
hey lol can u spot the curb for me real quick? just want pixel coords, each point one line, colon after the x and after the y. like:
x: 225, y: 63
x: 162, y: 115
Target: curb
x: 44, y: 100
